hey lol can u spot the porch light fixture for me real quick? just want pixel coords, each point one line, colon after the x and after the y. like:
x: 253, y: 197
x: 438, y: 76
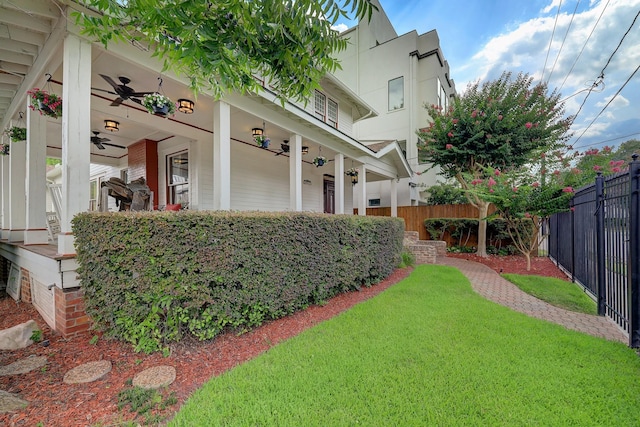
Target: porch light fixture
x: 354, y: 179
x: 111, y: 125
x: 257, y: 132
x: 305, y: 149
x: 185, y: 106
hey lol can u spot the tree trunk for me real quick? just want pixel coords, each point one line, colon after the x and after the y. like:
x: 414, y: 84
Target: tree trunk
x: 483, y: 208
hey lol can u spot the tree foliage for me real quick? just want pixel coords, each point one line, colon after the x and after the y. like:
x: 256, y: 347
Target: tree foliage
x: 501, y: 124
x: 445, y: 194
x: 220, y: 46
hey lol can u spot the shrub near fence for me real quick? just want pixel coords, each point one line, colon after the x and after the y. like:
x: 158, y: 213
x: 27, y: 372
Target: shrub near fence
x: 151, y: 277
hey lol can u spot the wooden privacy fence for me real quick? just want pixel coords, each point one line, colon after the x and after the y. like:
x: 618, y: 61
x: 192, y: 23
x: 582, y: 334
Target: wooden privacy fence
x: 414, y: 216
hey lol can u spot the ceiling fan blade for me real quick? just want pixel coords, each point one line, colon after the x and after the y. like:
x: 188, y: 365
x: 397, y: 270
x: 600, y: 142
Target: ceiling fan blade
x: 114, y: 145
x: 136, y: 100
x: 110, y: 81
x: 104, y: 90
x: 117, y: 102
x: 100, y: 146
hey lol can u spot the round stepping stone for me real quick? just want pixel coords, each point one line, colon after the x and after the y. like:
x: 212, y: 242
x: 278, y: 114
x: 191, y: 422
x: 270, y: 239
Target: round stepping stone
x: 87, y: 372
x: 156, y: 377
x: 23, y: 366
x: 11, y: 402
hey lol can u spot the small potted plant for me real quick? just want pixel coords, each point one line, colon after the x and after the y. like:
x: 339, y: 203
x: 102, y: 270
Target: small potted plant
x: 319, y: 161
x: 262, y: 140
x: 4, y: 149
x: 158, y: 104
x: 45, y: 103
x: 17, y: 133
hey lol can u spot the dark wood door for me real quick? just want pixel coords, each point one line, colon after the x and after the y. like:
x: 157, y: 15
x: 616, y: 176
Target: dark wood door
x: 329, y: 196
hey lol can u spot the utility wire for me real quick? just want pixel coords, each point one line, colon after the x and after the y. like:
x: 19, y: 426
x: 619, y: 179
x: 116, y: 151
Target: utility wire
x: 601, y: 77
x: 563, y: 41
x: 583, y: 46
x: 550, y: 40
x: 605, y: 107
x: 607, y: 140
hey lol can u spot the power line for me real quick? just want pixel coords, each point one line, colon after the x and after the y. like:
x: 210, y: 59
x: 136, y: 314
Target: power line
x: 608, y: 103
x: 608, y: 140
x: 563, y: 41
x: 583, y: 46
x: 550, y: 40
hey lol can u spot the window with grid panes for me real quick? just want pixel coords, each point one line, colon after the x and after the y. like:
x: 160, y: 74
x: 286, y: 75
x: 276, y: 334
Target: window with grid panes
x: 320, y: 105
x: 332, y: 113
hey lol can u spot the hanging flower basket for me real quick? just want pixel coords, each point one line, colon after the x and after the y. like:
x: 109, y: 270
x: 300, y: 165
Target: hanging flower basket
x: 319, y: 161
x: 45, y: 103
x: 351, y: 172
x: 17, y: 133
x: 262, y: 141
x: 158, y: 104
x: 4, y: 149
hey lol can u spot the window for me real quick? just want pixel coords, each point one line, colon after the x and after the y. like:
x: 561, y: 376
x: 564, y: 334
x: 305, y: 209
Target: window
x: 443, y: 101
x: 326, y: 109
x: 374, y: 202
x: 178, y: 177
x: 94, y: 194
x: 396, y: 94
x: 124, y: 175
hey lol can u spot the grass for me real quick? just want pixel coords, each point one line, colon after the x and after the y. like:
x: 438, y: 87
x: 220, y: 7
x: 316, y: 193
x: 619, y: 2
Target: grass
x: 556, y: 292
x: 427, y: 351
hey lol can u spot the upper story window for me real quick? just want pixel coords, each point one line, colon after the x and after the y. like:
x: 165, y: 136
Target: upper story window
x: 326, y: 109
x: 178, y: 174
x: 443, y: 101
x: 396, y: 94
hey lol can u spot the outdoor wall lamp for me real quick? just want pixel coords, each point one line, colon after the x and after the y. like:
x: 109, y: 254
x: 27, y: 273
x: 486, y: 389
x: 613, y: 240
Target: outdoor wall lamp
x: 257, y: 132
x: 111, y: 125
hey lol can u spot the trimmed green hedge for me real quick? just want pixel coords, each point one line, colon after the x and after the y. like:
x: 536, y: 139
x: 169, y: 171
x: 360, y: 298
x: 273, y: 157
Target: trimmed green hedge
x: 151, y: 277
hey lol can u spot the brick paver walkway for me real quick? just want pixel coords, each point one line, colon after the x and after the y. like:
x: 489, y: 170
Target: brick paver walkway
x: 490, y: 285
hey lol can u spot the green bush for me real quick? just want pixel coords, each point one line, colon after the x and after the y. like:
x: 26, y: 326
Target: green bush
x: 151, y: 277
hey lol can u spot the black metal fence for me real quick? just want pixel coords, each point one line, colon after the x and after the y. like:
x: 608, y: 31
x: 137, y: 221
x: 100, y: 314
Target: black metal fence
x: 598, y: 244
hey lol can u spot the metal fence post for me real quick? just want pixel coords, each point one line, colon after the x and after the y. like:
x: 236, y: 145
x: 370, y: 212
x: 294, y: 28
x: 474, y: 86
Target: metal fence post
x: 634, y: 253
x: 600, y: 248
x: 573, y: 240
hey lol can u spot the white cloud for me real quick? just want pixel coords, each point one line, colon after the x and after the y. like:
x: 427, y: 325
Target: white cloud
x: 340, y: 27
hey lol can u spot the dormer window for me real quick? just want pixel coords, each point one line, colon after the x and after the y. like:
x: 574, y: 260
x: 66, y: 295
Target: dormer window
x: 326, y: 109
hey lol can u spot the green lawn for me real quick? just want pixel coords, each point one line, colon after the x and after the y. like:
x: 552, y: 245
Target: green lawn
x: 556, y: 292
x: 428, y: 351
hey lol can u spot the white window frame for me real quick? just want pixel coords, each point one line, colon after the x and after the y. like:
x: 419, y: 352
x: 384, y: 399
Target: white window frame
x: 94, y: 202
x: 172, y: 197
x: 326, y: 109
x: 390, y: 99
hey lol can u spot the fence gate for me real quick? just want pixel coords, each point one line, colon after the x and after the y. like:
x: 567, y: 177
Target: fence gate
x: 598, y: 243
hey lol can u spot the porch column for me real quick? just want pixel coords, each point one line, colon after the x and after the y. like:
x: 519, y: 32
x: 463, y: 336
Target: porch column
x: 221, y: 156
x: 295, y: 173
x: 76, y: 129
x: 36, y: 232
x: 362, y: 203
x: 339, y: 186
x: 17, y: 188
x: 4, y: 160
x: 394, y: 197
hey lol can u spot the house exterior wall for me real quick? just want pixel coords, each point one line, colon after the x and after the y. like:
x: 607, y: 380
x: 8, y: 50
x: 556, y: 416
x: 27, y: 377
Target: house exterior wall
x: 374, y: 56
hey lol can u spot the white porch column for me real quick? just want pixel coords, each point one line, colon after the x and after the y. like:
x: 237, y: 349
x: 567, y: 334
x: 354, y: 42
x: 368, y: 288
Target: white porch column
x: 17, y: 190
x: 221, y: 156
x: 362, y: 203
x: 394, y: 197
x: 4, y: 160
x: 76, y: 129
x: 295, y: 172
x: 339, y: 185
x: 36, y: 232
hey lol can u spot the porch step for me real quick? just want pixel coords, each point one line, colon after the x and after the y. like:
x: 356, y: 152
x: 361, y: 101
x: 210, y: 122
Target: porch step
x: 425, y: 251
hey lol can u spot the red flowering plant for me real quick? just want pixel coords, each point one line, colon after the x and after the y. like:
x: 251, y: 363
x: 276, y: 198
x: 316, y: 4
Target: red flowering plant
x: 524, y: 198
x: 46, y: 103
x: 501, y: 124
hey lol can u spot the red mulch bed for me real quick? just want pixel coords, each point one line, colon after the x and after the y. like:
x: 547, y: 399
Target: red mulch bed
x: 53, y: 403
x: 516, y: 264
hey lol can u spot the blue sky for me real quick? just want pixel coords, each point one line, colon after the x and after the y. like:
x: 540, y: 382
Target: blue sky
x: 482, y: 38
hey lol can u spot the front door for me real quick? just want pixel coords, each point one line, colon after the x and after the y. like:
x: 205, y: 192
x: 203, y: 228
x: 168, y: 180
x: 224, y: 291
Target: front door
x: 329, y: 196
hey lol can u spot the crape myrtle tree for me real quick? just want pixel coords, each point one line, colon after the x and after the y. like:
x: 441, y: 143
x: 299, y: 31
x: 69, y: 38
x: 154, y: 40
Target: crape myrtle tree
x: 524, y: 198
x: 501, y: 124
x: 220, y: 45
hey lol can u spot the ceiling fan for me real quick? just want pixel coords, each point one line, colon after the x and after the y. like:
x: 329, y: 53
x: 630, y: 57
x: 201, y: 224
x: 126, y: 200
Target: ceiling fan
x: 123, y: 91
x: 284, y: 147
x: 101, y: 142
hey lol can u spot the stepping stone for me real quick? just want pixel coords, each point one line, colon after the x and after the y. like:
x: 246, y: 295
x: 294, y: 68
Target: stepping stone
x: 156, y: 377
x: 11, y: 402
x: 87, y: 372
x: 23, y: 366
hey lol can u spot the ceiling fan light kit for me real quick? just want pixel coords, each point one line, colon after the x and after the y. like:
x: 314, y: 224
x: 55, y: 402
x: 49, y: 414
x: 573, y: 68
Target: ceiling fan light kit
x: 185, y: 106
x: 111, y: 125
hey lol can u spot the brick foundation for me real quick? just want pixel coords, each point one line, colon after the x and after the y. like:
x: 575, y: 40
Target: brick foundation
x: 25, y: 286
x: 71, y: 318
x: 425, y: 251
